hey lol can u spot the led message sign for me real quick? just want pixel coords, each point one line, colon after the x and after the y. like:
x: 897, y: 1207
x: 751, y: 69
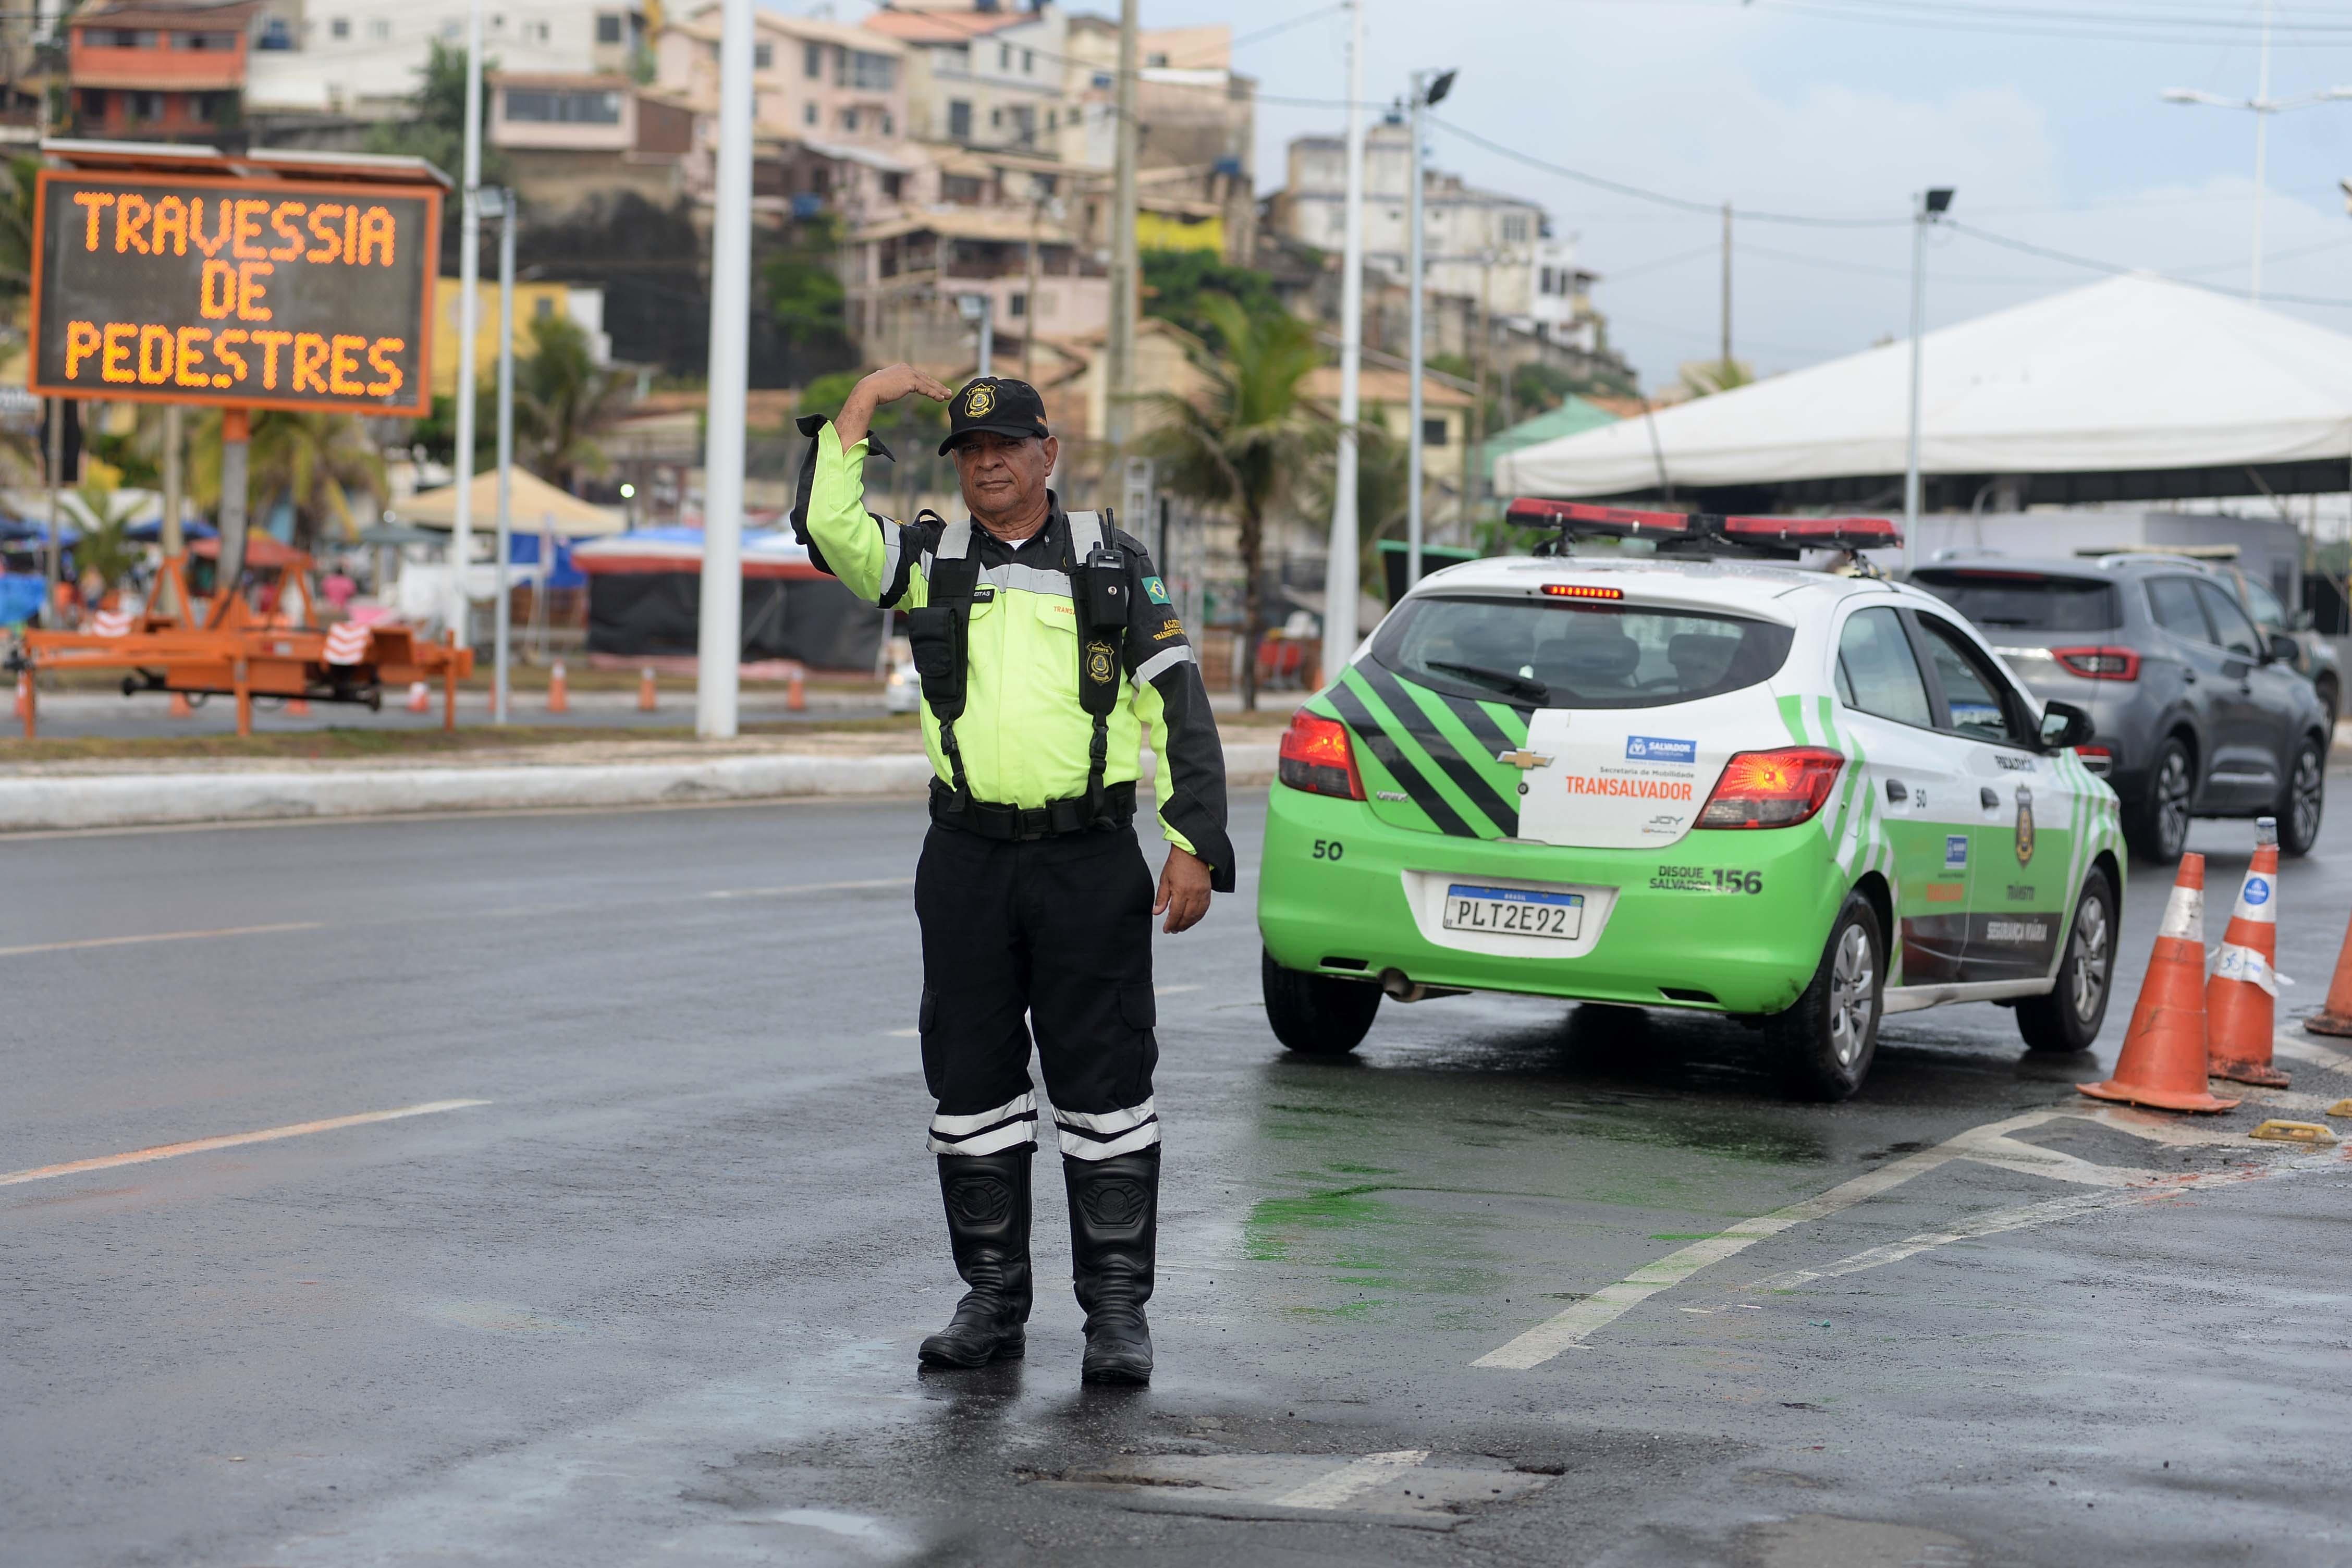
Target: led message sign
x: 242, y: 293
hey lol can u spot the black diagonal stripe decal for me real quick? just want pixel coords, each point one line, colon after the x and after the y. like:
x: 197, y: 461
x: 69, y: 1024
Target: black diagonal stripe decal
x: 1465, y: 773
x: 1383, y: 746
x: 1481, y: 723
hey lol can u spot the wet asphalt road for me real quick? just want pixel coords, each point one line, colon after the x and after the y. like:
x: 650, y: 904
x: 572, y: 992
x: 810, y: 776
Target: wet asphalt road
x: 656, y: 1301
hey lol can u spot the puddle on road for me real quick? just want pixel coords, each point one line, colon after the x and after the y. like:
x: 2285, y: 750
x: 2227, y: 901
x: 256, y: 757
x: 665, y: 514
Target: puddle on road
x: 1410, y: 1488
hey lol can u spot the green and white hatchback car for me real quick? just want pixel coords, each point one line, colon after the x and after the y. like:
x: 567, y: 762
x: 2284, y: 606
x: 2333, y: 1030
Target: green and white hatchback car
x: 1704, y: 778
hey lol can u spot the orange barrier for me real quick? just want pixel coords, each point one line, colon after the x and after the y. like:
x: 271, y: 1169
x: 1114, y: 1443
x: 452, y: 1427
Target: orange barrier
x: 648, y: 697
x: 181, y: 707
x: 2163, y: 1060
x: 2335, y: 1017
x: 559, y: 691
x: 2241, y: 999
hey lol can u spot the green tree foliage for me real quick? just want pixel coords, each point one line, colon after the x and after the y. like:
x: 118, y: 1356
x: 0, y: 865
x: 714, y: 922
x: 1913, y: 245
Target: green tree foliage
x: 1177, y: 285
x: 1245, y: 444
x: 436, y: 128
x: 804, y: 282
x: 318, y: 462
x: 1539, y: 388
x: 564, y: 401
x: 1716, y: 375
x: 17, y: 225
x: 1383, y: 483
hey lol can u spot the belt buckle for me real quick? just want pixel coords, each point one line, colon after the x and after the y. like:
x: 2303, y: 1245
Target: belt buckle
x: 1032, y: 823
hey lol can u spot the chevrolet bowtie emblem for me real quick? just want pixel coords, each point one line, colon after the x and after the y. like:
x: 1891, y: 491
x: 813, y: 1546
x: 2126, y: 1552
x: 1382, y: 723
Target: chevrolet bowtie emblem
x: 1522, y: 759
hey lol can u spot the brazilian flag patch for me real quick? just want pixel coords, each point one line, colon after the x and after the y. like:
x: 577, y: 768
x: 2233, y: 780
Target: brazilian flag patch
x: 1155, y: 590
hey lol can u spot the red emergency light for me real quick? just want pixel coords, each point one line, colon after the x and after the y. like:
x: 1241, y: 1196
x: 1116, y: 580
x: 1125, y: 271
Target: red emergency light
x: 1579, y: 518
x: 1815, y: 533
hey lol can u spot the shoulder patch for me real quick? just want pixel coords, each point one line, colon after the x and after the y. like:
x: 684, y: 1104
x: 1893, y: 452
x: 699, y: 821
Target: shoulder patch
x: 1155, y: 590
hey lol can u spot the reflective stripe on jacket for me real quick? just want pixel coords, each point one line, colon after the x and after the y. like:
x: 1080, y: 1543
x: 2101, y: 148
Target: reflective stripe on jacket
x: 1024, y: 736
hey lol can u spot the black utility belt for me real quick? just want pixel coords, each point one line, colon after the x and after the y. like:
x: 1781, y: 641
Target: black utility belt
x: 1026, y: 824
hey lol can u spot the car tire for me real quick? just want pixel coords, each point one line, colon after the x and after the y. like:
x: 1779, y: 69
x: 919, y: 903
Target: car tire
x: 2157, y: 825
x: 1829, y: 1038
x: 1316, y: 1014
x: 2303, y: 798
x: 2070, y: 1017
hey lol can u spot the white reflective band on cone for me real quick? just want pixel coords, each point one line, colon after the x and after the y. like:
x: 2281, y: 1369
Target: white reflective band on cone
x: 2184, y: 915
x: 2244, y: 964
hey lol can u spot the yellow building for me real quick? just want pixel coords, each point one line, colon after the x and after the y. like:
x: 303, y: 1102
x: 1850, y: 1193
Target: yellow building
x: 531, y: 302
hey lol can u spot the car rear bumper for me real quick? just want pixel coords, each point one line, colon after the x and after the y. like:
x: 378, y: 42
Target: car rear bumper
x: 1667, y: 933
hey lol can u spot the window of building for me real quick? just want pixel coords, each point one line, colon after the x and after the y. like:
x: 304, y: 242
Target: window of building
x: 868, y: 70
x: 274, y: 34
x: 889, y: 124
x: 1514, y: 228
x: 543, y: 308
x: 964, y: 189
x: 93, y: 103
x: 380, y: 30
x: 1335, y: 221
x: 893, y: 185
x: 126, y: 38
x: 1157, y: 60
x: 608, y: 27
x: 997, y: 119
x: 221, y: 41
x: 537, y: 32
x: 959, y: 120
x: 1025, y: 123
x: 1016, y: 304
x: 146, y: 106
x: 812, y: 60
x: 1433, y: 432
x: 764, y: 57
x: 557, y: 106
x: 1028, y: 62
x: 341, y: 27
x: 808, y: 114
x: 452, y: 28
x: 1005, y: 57
x: 849, y: 119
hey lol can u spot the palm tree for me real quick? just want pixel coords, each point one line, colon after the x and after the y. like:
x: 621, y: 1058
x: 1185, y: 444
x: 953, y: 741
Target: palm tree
x: 315, y: 460
x: 1246, y: 442
x: 562, y: 399
x: 1384, y: 484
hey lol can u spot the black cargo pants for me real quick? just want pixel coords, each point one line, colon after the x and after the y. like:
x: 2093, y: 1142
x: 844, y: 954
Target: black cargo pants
x: 1056, y: 934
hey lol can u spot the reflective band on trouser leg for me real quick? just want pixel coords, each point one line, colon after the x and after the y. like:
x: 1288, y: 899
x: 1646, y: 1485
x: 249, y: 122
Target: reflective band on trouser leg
x: 1008, y: 1126
x: 2184, y: 914
x: 1098, y: 1137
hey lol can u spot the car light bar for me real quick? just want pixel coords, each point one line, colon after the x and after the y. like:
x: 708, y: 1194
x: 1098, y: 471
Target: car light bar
x: 1771, y: 789
x: 1579, y: 520
x: 2098, y: 663
x: 1581, y: 591
x: 1816, y: 533
x: 1317, y: 758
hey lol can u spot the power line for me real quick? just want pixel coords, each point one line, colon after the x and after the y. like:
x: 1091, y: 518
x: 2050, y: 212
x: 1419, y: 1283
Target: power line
x: 2114, y: 269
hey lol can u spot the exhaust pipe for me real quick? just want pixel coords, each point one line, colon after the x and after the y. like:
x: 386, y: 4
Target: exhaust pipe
x: 1400, y: 987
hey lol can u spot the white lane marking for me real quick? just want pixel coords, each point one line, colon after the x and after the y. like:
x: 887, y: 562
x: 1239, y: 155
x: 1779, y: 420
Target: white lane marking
x: 1606, y: 1305
x: 906, y: 1034
x: 1351, y: 1479
x: 159, y: 936
x: 2302, y: 1048
x: 230, y: 1140
x: 793, y: 887
x: 1173, y: 990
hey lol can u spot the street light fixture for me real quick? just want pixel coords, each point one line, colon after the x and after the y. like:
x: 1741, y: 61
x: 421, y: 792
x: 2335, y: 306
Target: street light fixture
x: 2261, y: 106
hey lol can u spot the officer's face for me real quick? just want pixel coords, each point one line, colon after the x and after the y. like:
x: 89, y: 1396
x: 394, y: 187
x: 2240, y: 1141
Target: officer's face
x: 1004, y: 476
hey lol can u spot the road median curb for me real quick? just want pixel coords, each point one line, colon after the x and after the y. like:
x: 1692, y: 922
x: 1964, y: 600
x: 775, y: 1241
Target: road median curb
x: 162, y: 799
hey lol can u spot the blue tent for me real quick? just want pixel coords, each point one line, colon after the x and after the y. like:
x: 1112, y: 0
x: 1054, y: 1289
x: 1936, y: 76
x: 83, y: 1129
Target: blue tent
x: 20, y: 598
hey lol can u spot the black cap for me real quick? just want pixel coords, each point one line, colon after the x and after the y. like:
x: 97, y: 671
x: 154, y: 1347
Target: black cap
x: 995, y: 404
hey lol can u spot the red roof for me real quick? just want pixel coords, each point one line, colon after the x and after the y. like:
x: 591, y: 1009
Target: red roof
x: 944, y: 27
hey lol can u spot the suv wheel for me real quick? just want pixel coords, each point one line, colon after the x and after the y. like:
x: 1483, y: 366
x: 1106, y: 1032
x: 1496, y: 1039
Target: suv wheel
x: 2303, y: 798
x: 2157, y: 825
x: 2070, y: 1017
x: 1315, y: 1014
x: 1828, y: 1038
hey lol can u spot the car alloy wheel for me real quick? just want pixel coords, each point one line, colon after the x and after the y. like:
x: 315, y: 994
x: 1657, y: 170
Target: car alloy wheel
x: 2303, y: 800
x: 2171, y: 790
x: 2089, y: 961
x: 1852, y: 992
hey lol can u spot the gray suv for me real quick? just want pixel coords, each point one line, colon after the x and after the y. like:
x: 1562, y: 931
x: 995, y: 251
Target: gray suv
x: 2197, y: 713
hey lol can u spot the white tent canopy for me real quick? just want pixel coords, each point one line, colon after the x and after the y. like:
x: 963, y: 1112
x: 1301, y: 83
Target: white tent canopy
x: 532, y: 502
x: 2134, y: 388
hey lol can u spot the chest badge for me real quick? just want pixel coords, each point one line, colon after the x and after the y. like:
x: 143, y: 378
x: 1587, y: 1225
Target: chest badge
x: 1522, y: 759
x: 1098, y: 663
x: 2025, y: 826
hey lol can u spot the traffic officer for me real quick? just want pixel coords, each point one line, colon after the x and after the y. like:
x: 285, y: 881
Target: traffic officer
x: 1049, y: 657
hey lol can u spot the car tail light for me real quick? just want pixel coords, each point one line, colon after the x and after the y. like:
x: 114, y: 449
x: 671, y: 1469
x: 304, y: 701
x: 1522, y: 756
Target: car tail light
x: 2099, y: 663
x: 1317, y: 758
x: 2099, y: 760
x: 1771, y: 789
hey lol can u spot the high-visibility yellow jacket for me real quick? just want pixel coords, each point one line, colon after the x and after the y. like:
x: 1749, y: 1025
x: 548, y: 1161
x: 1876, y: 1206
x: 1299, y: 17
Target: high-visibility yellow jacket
x: 1024, y: 737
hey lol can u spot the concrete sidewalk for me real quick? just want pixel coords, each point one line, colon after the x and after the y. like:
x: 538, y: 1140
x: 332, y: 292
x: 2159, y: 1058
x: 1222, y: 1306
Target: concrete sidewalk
x: 63, y: 797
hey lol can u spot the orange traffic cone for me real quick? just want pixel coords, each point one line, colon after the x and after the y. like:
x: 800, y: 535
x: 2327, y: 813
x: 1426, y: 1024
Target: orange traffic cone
x: 648, y: 699
x: 2163, y: 1060
x: 420, y: 696
x: 23, y: 694
x: 299, y: 708
x: 2335, y: 1018
x: 795, y: 691
x: 2243, y: 997
x: 181, y: 707
x: 559, y: 694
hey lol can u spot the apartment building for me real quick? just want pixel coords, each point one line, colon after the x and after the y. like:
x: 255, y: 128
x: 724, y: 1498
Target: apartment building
x: 810, y: 76
x: 160, y: 69
x: 361, y: 57
x: 990, y: 77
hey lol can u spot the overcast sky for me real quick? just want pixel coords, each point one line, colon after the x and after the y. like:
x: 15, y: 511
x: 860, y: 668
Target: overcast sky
x: 2043, y: 113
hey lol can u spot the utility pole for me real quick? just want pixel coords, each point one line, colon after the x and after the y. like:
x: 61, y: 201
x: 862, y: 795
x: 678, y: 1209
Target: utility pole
x: 173, y: 539
x: 1726, y: 289
x: 720, y: 642
x: 1340, y: 588
x: 1428, y: 87
x: 1119, y: 349
x: 1932, y: 206
x: 502, y: 619
x: 1473, y: 455
x: 470, y: 323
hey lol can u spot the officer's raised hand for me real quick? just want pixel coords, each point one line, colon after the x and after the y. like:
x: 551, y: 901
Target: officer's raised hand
x: 1183, y: 889
x: 883, y: 387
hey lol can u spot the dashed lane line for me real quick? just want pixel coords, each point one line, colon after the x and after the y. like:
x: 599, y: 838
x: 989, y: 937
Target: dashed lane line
x: 32, y: 947
x: 1350, y: 1480
x: 231, y: 1140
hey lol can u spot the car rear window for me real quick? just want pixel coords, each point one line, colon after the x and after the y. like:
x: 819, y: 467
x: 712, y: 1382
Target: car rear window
x: 1553, y: 655
x: 2026, y: 601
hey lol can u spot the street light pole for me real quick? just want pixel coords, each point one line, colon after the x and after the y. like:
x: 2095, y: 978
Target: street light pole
x: 1118, y: 345
x: 1932, y: 206
x: 1428, y: 87
x: 502, y: 616
x: 719, y: 645
x: 469, y: 321
x: 1340, y: 588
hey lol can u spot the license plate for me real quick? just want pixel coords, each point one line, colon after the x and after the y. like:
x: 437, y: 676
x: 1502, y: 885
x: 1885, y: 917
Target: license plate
x: 1514, y: 911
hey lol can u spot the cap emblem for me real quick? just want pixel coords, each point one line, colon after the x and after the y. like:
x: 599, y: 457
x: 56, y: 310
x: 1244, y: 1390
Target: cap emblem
x: 978, y: 402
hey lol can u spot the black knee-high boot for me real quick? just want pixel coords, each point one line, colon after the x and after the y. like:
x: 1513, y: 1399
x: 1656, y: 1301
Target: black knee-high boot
x: 987, y: 1200
x: 1114, y: 1225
